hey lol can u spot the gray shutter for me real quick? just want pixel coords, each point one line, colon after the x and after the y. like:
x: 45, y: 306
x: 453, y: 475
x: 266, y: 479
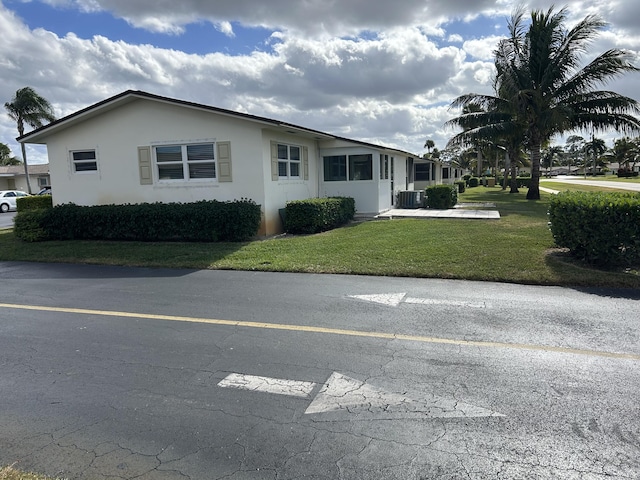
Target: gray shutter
x: 274, y: 162
x: 224, y: 161
x: 305, y: 162
x: 144, y: 166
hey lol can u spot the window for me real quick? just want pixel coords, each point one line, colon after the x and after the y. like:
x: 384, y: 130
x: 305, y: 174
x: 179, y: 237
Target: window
x: 186, y: 162
x: 445, y: 173
x: 84, y: 161
x: 360, y: 167
x: 422, y: 172
x: 335, y: 168
x: 43, y: 181
x: 288, y: 161
x: 384, y: 167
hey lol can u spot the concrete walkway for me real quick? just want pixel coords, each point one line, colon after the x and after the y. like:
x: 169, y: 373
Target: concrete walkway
x: 462, y: 210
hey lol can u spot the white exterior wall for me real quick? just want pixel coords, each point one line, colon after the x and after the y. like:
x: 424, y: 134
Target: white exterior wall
x: 116, y: 136
x: 364, y: 192
x: 279, y: 192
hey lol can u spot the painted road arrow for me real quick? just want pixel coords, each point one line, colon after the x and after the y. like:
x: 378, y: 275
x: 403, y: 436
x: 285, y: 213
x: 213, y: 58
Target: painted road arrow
x: 343, y: 393
x: 395, y: 299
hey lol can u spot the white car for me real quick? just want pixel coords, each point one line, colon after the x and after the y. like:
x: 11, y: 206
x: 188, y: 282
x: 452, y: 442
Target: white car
x: 8, y: 199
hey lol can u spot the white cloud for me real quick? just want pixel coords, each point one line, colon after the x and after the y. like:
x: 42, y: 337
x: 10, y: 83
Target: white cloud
x: 392, y: 85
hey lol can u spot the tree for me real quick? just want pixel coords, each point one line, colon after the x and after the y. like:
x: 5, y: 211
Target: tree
x: 539, y: 74
x: 625, y: 151
x: 596, y: 148
x: 550, y: 157
x: 30, y: 108
x: 429, y: 145
x: 6, y: 158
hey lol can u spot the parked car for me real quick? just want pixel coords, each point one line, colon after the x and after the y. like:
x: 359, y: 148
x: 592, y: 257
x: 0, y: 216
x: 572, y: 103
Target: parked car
x: 8, y: 199
x: 44, y: 191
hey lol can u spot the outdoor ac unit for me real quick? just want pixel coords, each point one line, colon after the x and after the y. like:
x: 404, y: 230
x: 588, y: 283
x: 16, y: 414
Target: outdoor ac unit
x: 411, y: 199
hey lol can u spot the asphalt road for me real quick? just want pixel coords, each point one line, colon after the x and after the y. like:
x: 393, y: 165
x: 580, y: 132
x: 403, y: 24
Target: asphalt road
x: 159, y: 374
x: 6, y: 219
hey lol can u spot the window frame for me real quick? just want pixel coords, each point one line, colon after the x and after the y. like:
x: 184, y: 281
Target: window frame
x: 75, y: 162
x: 186, y: 162
x: 288, y: 161
x: 425, y: 176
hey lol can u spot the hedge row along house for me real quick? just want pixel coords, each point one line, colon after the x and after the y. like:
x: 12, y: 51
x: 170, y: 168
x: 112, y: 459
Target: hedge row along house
x: 139, y: 147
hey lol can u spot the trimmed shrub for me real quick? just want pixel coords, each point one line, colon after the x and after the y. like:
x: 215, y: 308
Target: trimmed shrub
x: 33, y: 202
x: 318, y: 214
x: 626, y: 174
x: 473, y: 182
x: 461, y: 186
x: 442, y: 196
x: 524, y: 182
x: 27, y: 225
x: 205, y: 221
x: 600, y: 228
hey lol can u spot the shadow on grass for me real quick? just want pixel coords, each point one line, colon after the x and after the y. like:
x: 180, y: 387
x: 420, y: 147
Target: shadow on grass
x: 612, y: 283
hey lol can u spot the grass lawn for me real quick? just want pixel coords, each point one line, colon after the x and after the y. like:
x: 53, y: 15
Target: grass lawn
x: 517, y: 248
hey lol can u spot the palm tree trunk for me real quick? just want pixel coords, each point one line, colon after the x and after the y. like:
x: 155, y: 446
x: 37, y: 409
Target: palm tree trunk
x: 507, y: 165
x: 514, y: 178
x: 534, y: 187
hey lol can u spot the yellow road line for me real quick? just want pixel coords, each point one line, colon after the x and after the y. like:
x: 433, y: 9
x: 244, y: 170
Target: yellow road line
x: 325, y: 330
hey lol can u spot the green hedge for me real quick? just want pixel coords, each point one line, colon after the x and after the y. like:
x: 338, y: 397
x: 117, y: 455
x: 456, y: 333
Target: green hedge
x: 600, y: 228
x: 204, y: 221
x: 442, y: 196
x: 318, y: 214
x: 473, y: 182
x: 461, y: 186
x: 33, y: 202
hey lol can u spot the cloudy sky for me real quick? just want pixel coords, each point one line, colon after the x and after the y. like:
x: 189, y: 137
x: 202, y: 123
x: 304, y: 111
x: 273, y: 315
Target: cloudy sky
x: 374, y: 70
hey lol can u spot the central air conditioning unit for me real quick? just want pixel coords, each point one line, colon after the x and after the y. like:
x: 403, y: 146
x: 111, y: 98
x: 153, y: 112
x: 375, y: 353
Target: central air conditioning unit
x: 411, y: 199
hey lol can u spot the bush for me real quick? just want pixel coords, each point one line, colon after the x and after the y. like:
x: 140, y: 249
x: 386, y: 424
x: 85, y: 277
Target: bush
x: 524, y: 182
x: 442, y: 196
x: 27, y: 225
x: 33, y: 202
x: 205, y: 221
x: 318, y: 214
x: 461, y: 186
x: 600, y: 228
x: 473, y: 182
x: 627, y: 174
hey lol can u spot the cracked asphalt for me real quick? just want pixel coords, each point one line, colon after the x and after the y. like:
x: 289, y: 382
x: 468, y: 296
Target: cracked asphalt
x: 113, y: 373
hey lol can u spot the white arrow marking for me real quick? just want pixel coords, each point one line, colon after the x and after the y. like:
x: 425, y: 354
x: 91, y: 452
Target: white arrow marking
x: 395, y: 299
x: 278, y: 386
x: 391, y: 299
x: 345, y: 393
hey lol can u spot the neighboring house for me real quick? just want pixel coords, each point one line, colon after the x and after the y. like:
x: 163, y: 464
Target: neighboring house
x: 138, y: 147
x: 12, y: 177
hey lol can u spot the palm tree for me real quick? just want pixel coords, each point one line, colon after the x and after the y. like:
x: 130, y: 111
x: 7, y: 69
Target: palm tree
x: 30, y: 108
x: 538, y: 74
x: 429, y: 144
x: 5, y: 156
x: 596, y: 147
x: 549, y: 157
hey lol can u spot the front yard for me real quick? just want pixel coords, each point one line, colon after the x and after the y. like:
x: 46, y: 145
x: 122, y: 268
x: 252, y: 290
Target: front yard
x: 517, y: 248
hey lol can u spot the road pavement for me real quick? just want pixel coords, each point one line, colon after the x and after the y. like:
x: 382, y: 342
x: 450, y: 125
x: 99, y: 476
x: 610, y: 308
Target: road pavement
x: 110, y: 372
x: 631, y: 186
x: 6, y: 219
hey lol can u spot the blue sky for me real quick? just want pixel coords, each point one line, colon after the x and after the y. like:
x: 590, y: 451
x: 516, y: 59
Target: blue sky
x: 383, y: 72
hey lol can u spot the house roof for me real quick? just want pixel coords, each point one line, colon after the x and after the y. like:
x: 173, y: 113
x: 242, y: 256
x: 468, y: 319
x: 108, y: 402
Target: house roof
x: 39, y: 135
x: 16, y: 170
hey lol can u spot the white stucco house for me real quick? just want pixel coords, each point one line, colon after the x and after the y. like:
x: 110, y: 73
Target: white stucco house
x: 139, y: 147
x: 12, y: 177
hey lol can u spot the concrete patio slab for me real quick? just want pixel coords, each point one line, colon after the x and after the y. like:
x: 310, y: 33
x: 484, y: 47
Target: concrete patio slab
x: 431, y: 213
